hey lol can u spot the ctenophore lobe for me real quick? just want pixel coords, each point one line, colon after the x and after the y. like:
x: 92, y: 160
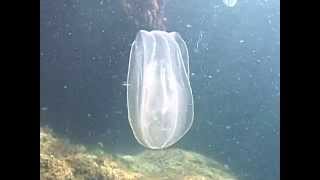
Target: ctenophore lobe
x: 159, y: 95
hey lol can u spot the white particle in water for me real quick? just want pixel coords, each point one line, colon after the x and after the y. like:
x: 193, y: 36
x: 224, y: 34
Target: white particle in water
x: 69, y: 33
x: 124, y: 83
x: 192, y: 74
x: 65, y: 86
x: 101, y: 2
x: 209, y: 76
x: 228, y: 127
x: 89, y: 115
x: 188, y: 25
x: 118, y: 112
x: 44, y: 108
x: 218, y: 70
x: 238, y: 78
x: 258, y: 61
x: 241, y: 41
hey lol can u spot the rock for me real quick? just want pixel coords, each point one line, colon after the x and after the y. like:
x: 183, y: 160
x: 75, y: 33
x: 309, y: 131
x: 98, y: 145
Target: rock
x: 62, y: 160
x: 54, y: 169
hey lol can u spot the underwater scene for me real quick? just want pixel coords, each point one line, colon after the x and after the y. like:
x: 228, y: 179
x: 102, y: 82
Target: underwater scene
x: 160, y: 90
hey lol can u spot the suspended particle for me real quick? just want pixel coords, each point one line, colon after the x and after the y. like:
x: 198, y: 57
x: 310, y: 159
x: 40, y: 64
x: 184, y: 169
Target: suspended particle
x: 44, y: 108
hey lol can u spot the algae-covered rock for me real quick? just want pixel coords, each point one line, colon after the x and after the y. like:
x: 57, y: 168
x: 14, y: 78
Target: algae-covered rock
x: 87, y: 167
x: 61, y: 160
x: 52, y: 168
x: 53, y: 145
x: 176, y: 164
